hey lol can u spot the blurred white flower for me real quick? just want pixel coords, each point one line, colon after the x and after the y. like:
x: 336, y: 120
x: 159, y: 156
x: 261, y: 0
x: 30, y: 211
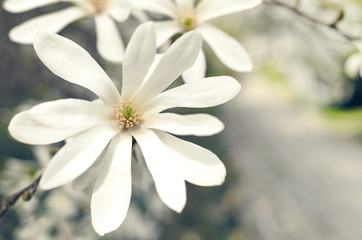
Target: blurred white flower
x: 103, y: 129
x: 353, y: 64
x: 109, y: 42
x: 186, y: 16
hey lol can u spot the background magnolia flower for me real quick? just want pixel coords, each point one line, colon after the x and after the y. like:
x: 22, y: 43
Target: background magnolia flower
x: 109, y: 42
x: 353, y: 64
x: 186, y: 16
x: 100, y: 132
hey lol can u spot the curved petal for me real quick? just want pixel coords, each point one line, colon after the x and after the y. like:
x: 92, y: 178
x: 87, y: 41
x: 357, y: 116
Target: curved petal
x: 198, y: 165
x: 71, y: 62
x: 51, y: 22
x: 207, y: 92
x: 352, y: 65
x: 165, y: 30
x: 77, y: 156
x: 169, y: 182
x: 112, y: 191
x: 227, y: 49
x: 166, y: 7
x: 88, y: 177
x: 119, y: 10
x: 185, y: 5
x: 210, y: 9
x: 17, y: 6
x: 196, y: 71
x: 140, y: 54
x: 57, y: 120
x: 179, y: 57
x: 192, y: 124
x: 109, y: 42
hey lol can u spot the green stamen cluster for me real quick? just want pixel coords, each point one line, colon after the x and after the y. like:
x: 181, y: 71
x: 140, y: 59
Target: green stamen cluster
x: 128, y: 115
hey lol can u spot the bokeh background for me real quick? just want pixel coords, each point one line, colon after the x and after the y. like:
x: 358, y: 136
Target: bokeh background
x: 292, y: 144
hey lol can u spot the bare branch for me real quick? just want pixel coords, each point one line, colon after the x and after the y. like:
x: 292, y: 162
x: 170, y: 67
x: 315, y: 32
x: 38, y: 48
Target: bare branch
x: 332, y: 25
x: 26, y: 194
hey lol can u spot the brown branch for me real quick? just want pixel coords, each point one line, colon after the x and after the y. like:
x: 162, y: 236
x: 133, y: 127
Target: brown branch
x: 26, y: 194
x: 298, y: 12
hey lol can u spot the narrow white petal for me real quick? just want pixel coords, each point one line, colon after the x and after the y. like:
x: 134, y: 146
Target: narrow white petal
x: 77, y: 156
x: 70, y: 114
x: 16, y: 6
x: 210, y: 9
x: 119, y: 10
x: 140, y: 54
x: 179, y: 57
x: 165, y: 30
x: 198, y: 165
x: 207, y: 92
x: 192, y: 124
x: 185, y: 5
x: 24, y: 129
x: 112, y: 190
x: 71, y: 62
x: 227, y: 49
x: 51, y: 22
x: 166, y: 7
x: 109, y: 42
x: 57, y: 120
x: 89, y: 176
x: 196, y: 71
x: 169, y: 182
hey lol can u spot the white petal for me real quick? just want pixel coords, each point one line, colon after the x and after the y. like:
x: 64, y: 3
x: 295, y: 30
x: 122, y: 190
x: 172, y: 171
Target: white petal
x: 140, y: 54
x: 70, y: 114
x: 119, y: 10
x: 192, y: 124
x: 109, y: 42
x: 169, y: 182
x: 166, y: 7
x: 165, y: 30
x: 52, y: 22
x: 24, y: 129
x: 57, y: 120
x: 16, y: 6
x: 71, y: 62
x: 198, y: 165
x: 207, y: 92
x: 210, y: 9
x: 352, y: 65
x: 185, y: 5
x: 196, y: 71
x: 227, y: 49
x: 88, y: 177
x: 112, y: 191
x: 77, y: 156
x: 179, y: 57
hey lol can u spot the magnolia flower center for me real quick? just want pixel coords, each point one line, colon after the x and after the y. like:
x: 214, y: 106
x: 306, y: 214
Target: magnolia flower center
x: 128, y: 115
x: 188, y: 23
x: 99, y: 5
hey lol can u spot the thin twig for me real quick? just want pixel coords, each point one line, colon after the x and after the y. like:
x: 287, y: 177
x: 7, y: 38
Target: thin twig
x: 26, y: 193
x: 333, y: 25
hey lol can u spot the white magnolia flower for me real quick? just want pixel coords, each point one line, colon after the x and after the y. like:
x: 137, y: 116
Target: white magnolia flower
x: 186, y: 16
x: 109, y: 42
x: 353, y: 64
x: 103, y: 129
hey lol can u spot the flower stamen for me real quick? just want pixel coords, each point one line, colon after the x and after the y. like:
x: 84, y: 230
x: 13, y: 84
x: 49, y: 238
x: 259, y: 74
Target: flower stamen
x: 128, y: 115
x: 188, y: 23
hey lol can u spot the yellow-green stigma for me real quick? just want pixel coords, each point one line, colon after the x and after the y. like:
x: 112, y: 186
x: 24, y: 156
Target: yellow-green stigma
x: 99, y: 5
x: 188, y: 23
x: 128, y: 115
